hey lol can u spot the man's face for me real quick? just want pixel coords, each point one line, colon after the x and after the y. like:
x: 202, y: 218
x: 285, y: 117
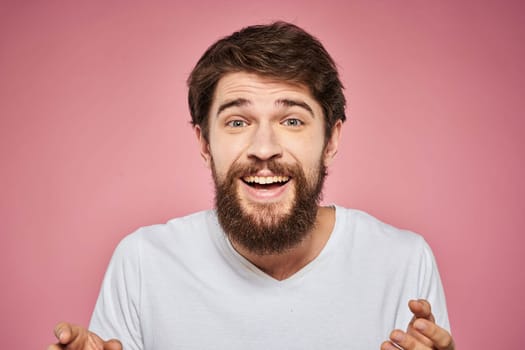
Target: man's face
x: 268, y: 155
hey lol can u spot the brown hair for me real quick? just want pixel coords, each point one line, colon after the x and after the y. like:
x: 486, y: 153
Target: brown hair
x: 279, y: 50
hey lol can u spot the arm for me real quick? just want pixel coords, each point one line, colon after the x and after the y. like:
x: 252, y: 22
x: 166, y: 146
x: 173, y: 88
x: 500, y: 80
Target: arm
x: 71, y: 337
x: 115, y: 314
x: 427, y: 328
x: 422, y: 332
x: 117, y: 310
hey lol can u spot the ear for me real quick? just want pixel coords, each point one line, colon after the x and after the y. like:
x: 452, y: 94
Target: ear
x: 333, y: 143
x: 204, y: 146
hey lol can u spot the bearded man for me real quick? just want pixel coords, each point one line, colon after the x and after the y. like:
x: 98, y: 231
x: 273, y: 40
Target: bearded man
x: 269, y: 268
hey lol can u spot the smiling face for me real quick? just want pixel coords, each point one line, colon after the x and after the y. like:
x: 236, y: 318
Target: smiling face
x: 268, y: 154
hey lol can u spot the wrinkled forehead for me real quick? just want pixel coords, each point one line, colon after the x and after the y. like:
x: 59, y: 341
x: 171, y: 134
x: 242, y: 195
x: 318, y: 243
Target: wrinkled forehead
x: 259, y: 88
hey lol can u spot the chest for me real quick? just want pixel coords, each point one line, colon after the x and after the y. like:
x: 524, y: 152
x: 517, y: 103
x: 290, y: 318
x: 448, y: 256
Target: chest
x: 339, y: 310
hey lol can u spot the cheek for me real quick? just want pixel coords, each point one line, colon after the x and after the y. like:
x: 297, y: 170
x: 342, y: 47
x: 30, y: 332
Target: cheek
x: 308, y: 153
x: 223, y: 157
x: 311, y: 158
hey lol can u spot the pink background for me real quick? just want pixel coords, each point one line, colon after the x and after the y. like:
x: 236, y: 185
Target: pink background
x: 95, y: 141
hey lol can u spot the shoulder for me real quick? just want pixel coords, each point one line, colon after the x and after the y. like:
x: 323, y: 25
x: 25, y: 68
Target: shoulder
x: 178, y: 234
x: 374, y: 235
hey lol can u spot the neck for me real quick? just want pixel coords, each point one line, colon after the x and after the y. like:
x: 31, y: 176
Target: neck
x: 283, y: 265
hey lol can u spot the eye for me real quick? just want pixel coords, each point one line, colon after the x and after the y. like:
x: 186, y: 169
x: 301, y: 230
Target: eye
x: 293, y: 122
x: 236, y: 123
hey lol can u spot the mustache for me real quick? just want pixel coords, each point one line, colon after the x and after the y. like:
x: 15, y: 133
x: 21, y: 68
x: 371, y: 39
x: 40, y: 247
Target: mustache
x: 238, y: 170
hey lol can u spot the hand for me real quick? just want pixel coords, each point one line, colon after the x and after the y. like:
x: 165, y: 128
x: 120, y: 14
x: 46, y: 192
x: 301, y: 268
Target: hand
x: 422, y: 332
x: 71, y: 337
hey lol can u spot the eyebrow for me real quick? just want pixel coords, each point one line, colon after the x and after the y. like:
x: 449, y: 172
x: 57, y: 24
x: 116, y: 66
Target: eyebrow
x: 292, y: 103
x: 239, y: 102
x: 286, y: 102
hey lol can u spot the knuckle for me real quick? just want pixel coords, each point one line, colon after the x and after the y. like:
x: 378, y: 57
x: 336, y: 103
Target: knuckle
x: 439, y: 336
x: 411, y: 343
x: 446, y: 341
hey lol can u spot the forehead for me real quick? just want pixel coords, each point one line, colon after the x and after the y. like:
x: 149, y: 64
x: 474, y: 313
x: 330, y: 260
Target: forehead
x: 256, y: 87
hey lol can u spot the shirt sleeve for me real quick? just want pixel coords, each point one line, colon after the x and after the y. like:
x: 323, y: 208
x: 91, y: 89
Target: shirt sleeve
x: 117, y: 310
x: 431, y: 288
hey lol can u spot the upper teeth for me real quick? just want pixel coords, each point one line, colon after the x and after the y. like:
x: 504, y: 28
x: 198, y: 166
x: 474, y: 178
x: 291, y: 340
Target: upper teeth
x: 263, y: 180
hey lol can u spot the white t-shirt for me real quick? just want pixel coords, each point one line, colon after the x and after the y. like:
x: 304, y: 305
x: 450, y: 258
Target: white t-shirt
x: 181, y: 285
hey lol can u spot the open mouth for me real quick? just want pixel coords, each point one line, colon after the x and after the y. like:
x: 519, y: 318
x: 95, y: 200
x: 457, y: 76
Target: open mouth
x: 265, y: 182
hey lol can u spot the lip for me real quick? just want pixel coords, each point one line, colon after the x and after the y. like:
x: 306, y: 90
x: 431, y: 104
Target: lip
x: 271, y: 195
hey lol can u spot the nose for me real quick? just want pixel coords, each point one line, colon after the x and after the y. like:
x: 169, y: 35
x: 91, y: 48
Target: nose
x: 264, y: 143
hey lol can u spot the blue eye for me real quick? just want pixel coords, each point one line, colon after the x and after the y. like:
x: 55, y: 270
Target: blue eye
x: 236, y: 123
x: 293, y: 122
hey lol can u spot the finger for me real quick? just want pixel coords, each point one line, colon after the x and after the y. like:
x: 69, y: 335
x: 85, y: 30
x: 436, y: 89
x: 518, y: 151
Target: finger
x: 406, y: 341
x: 421, y: 309
x: 420, y: 337
x: 55, y: 347
x: 440, y: 337
x: 113, y: 344
x: 64, y: 333
x: 92, y: 341
x: 386, y: 345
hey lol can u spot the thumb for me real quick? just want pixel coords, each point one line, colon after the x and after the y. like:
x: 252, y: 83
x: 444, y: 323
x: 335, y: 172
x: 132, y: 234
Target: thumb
x: 421, y: 309
x: 64, y: 332
x: 113, y: 344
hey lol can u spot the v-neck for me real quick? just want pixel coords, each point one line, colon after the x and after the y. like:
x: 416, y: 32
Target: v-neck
x: 252, y: 272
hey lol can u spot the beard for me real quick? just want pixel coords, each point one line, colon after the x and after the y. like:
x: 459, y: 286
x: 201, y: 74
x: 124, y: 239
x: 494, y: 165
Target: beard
x: 263, y: 228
